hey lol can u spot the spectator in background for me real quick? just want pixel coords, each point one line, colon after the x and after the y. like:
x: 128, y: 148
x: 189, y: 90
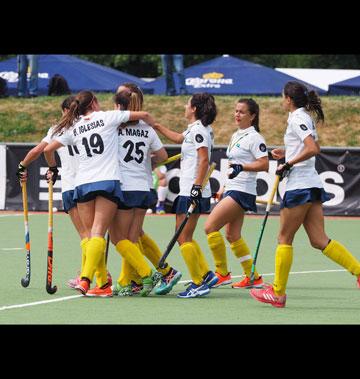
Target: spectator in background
x: 169, y: 63
x: 27, y: 63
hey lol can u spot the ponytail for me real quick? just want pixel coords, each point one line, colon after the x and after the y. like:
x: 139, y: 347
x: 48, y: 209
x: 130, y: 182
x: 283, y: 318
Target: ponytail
x: 80, y: 105
x: 314, y: 105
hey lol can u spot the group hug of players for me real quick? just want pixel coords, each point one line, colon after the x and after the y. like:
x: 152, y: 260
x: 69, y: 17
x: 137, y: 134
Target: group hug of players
x: 107, y: 158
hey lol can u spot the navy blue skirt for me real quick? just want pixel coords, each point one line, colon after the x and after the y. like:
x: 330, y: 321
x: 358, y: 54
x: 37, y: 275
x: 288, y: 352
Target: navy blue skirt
x: 153, y: 198
x: 246, y: 201
x: 294, y: 198
x: 68, y: 201
x: 110, y: 189
x: 135, y: 199
x: 182, y: 204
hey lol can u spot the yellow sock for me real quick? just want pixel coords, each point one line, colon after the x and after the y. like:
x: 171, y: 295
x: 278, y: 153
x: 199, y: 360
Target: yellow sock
x: 342, y: 256
x: 218, y: 249
x: 101, y: 272
x: 83, y: 245
x: 128, y: 274
x: 242, y: 251
x: 95, y: 250
x: 188, y: 251
x: 132, y: 254
x: 152, y: 252
x: 283, y: 261
x: 203, y: 265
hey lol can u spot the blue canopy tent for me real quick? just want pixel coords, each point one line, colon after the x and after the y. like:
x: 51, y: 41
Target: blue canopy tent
x: 346, y: 87
x: 79, y: 74
x: 227, y: 75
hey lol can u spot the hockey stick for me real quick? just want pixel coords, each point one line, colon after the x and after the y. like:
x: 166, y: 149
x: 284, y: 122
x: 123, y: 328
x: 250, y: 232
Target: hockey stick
x: 267, y: 211
x: 107, y: 247
x: 169, y: 160
x: 26, y: 281
x: 189, y: 212
x: 51, y: 290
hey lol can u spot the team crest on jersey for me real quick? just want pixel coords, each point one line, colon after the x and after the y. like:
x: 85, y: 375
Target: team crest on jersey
x: 262, y: 147
x: 303, y: 127
x: 199, y: 138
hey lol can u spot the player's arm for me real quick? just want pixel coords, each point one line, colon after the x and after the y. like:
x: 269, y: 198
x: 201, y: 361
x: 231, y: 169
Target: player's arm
x: 49, y: 153
x: 310, y: 149
x: 141, y: 115
x: 30, y: 157
x: 261, y: 164
x: 159, y: 156
x: 203, y: 165
x: 170, y: 134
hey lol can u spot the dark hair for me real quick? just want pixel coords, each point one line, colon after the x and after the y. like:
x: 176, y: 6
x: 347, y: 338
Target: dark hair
x: 254, y: 109
x: 66, y: 103
x: 302, y: 97
x: 205, y: 107
x: 58, y: 86
x: 123, y: 99
x: 81, y: 103
x: 130, y: 98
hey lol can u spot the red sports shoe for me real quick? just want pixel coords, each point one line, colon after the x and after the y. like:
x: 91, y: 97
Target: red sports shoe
x: 245, y: 283
x: 267, y: 295
x: 83, y: 286
x: 223, y: 280
x: 100, y: 292
x: 358, y: 282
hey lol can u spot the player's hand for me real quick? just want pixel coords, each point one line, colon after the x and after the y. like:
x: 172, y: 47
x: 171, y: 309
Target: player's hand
x: 283, y: 170
x: 278, y: 153
x: 52, y: 174
x: 196, y: 194
x: 21, y: 173
x: 234, y: 170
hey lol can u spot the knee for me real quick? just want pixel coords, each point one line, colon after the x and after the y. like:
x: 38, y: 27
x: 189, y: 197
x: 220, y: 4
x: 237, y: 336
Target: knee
x: 319, y: 244
x: 209, y: 228
x: 232, y: 237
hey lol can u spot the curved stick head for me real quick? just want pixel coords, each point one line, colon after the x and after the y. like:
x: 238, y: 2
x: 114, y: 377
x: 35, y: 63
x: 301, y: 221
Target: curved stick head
x: 51, y: 290
x: 25, y: 282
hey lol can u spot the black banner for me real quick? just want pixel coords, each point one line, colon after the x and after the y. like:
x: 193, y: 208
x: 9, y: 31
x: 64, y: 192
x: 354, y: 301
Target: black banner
x: 339, y: 169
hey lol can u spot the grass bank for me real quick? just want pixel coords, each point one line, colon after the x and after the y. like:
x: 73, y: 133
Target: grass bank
x: 27, y: 120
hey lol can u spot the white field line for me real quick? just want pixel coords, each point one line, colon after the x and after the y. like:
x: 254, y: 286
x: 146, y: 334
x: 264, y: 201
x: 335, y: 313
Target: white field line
x: 181, y: 281
x: 11, y: 248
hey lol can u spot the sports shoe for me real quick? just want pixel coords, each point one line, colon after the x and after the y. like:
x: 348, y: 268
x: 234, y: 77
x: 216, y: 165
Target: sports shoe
x: 160, y: 210
x: 210, y: 279
x: 222, y: 280
x: 358, y: 282
x: 150, y: 282
x: 267, y: 295
x: 83, y: 286
x: 245, y: 283
x: 136, y: 288
x: 72, y: 283
x: 168, y: 282
x: 100, y: 292
x: 119, y: 290
x: 194, y: 290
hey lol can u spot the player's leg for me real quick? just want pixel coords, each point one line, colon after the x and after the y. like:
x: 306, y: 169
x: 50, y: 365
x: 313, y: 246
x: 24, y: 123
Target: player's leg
x: 314, y: 226
x: 101, y: 210
x: 225, y: 211
x: 131, y: 252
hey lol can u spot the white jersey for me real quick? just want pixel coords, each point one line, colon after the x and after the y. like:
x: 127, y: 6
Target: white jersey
x: 195, y: 136
x: 96, y: 138
x: 303, y: 174
x: 69, y: 163
x: 136, y: 143
x: 246, y: 146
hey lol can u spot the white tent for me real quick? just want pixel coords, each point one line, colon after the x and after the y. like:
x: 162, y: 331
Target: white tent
x: 320, y: 77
